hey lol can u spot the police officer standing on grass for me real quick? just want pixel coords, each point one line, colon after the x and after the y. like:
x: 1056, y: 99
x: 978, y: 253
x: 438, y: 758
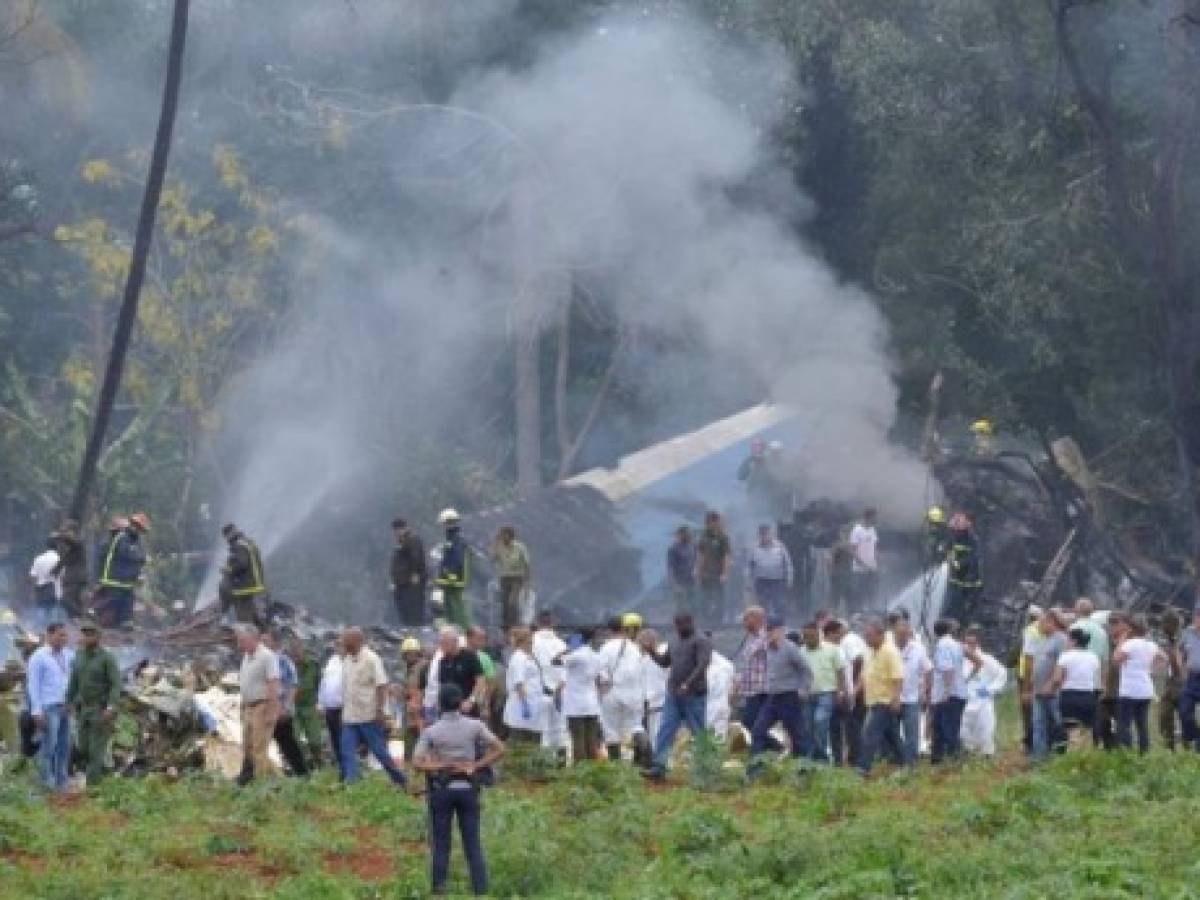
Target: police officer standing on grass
x: 93, y: 693
x: 448, y: 753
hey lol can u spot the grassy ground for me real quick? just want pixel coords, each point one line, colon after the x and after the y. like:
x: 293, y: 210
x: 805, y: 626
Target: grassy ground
x: 1085, y: 825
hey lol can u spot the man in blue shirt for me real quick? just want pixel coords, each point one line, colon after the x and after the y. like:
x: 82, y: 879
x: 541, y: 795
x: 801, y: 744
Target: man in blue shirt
x: 949, y: 692
x: 285, y: 725
x: 47, y: 676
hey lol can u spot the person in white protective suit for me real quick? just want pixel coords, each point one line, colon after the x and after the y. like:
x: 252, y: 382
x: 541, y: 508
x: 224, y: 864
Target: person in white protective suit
x: 717, y: 710
x: 655, y: 681
x: 582, y: 668
x: 525, y: 699
x: 547, y: 647
x: 623, y: 691
x: 985, y: 679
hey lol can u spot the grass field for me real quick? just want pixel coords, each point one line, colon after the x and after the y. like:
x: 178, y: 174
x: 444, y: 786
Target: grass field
x: 1085, y: 825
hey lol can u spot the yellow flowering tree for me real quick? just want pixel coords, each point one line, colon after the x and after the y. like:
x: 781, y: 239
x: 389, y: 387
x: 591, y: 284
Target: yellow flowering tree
x: 212, y: 286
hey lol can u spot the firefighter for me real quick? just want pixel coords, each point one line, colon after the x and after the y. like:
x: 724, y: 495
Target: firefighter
x: 454, y: 569
x: 984, y: 432
x: 937, y: 537
x: 121, y: 567
x: 966, y: 582
x: 243, y: 587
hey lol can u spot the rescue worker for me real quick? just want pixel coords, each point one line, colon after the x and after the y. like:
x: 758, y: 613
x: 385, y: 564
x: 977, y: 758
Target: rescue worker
x: 983, y: 432
x: 243, y: 589
x: 937, y: 537
x: 413, y: 678
x: 93, y: 695
x: 72, y: 568
x: 454, y: 569
x: 966, y: 581
x: 985, y: 678
x: 511, y: 558
x: 623, y: 692
x: 448, y: 754
x: 409, y: 574
x: 121, y: 568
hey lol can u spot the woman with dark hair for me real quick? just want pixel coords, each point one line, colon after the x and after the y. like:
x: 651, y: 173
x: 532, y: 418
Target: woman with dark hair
x: 1078, y: 679
x: 1138, y: 658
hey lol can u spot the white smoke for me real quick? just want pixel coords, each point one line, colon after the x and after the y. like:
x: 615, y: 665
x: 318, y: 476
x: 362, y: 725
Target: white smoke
x: 634, y: 157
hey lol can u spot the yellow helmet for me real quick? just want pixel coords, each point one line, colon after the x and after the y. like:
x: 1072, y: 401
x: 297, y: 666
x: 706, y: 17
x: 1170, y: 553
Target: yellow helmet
x: 936, y: 515
x: 410, y: 645
x: 631, y: 620
x: 982, y: 426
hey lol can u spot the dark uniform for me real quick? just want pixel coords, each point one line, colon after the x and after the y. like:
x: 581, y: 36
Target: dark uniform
x: 124, y: 558
x: 454, y: 575
x: 409, y: 575
x: 243, y: 588
x: 94, y: 686
x: 72, y: 569
x: 966, y: 581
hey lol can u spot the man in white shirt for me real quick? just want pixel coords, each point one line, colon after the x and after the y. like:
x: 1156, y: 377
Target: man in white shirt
x: 547, y: 647
x: 47, y: 589
x: 948, y: 694
x: 769, y: 571
x: 864, y: 564
x: 48, y: 674
x: 623, y: 689
x: 915, y: 690
x: 655, y: 677
x: 845, y: 733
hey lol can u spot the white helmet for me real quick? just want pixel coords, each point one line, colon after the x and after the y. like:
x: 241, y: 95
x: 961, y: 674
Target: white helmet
x: 448, y: 517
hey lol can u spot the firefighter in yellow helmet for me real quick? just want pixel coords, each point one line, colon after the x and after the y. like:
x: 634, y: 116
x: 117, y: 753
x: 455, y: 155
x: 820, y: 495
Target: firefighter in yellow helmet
x: 414, y: 676
x: 984, y: 432
x: 937, y: 537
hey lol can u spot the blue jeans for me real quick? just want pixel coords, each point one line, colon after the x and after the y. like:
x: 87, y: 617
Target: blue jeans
x: 820, y: 715
x: 1046, y: 722
x: 445, y: 803
x: 787, y: 708
x: 771, y: 594
x: 55, y: 751
x: 947, y: 726
x: 910, y: 720
x: 1133, y: 714
x: 678, y: 712
x: 370, y: 733
x: 749, y: 715
x: 1188, y: 699
x: 880, y: 729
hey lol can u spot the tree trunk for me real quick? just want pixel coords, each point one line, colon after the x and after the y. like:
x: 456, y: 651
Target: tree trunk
x: 137, y: 261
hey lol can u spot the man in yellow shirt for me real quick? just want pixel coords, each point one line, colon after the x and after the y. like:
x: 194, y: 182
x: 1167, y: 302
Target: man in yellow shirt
x: 883, y: 678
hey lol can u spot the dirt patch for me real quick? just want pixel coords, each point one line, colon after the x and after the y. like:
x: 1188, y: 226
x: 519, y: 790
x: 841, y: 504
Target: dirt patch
x: 250, y: 864
x: 24, y: 860
x: 365, y: 863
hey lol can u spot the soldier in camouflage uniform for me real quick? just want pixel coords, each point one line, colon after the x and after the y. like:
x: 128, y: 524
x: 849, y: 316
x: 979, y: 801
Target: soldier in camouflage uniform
x: 93, y: 693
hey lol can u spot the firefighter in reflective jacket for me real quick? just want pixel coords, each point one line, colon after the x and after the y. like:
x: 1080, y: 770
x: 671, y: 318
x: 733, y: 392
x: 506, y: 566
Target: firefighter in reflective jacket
x: 243, y: 588
x: 121, y: 567
x: 454, y: 568
x: 966, y: 582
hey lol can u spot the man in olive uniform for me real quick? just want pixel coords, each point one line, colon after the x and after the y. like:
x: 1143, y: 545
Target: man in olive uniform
x: 243, y: 587
x: 93, y: 693
x: 310, y: 726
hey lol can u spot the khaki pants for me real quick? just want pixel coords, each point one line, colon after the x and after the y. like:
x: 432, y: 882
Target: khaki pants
x: 257, y: 731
